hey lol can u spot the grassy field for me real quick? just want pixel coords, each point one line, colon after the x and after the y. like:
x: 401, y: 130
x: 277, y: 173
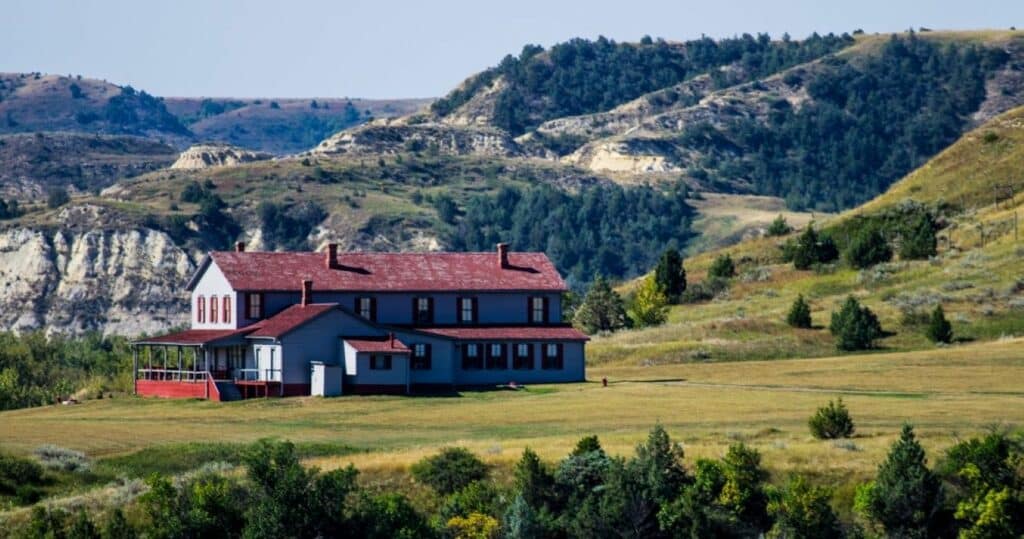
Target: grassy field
x: 947, y: 393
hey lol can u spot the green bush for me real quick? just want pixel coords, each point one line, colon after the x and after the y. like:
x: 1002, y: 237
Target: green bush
x: 939, y: 329
x: 602, y: 309
x: 831, y: 421
x: 670, y: 274
x: 803, y: 510
x: 722, y: 268
x: 779, y: 227
x: 809, y: 249
x: 57, y: 197
x: 867, y: 248
x: 799, y: 315
x: 450, y: 470
x: 918, y: 239
x: 705, y: 290
x: 855, y: 327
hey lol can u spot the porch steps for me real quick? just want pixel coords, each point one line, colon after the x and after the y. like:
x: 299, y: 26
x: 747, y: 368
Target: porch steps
x: 228, y: 391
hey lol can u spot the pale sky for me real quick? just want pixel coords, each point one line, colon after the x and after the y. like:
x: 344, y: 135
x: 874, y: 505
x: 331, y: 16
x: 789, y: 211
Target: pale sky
x: 388, y: 48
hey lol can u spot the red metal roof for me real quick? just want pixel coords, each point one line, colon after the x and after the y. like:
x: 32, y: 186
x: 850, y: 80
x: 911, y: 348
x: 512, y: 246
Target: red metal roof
x: 378, y: 345
x: 194, y: 337
x: 517, y: 333
x: 386, y: 272
x: 283, y: 322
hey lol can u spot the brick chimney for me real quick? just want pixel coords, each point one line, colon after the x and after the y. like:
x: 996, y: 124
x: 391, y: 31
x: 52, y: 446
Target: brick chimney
x: 503, y: 255
x: 307, y: 292
x: 331, y: 260
x: 239, y: 246
x: 391, y: 340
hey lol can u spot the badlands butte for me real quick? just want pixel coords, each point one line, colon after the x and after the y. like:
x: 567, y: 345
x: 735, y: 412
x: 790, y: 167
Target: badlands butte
x: 751, y: 127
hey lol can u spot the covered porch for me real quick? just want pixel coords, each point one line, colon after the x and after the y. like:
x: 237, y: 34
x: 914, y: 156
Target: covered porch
x: 205, y: 364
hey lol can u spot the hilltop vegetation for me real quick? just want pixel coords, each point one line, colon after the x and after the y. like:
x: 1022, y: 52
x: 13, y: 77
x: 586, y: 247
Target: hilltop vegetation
x: 582, y: 76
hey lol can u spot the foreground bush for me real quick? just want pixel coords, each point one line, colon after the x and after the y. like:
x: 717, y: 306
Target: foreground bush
x: 803, y: 510
x: 451, y: 470
x: 831, y: 421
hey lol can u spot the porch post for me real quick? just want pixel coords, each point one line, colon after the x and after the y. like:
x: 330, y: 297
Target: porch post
x: 206, y: 365
x: 135, y: 369
x: 179, y: 361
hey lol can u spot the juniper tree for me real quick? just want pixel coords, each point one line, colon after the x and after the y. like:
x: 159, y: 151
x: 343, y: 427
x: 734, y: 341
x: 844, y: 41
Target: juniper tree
x: 670, y: 274
x: 799, y: 315
x: 939, y: 329
x: 855, y: 327
x: 722, y: 268
x: 602, y: 309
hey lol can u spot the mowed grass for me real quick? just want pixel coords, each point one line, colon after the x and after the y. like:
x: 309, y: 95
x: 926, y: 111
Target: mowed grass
x: 948, y: 394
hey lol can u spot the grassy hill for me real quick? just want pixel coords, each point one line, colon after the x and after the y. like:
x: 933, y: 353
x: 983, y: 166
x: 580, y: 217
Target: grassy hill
x: 979, y: 283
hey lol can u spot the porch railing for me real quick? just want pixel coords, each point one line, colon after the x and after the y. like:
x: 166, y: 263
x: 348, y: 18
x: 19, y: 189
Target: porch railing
x: 172, y: 375
x: 261, y: 375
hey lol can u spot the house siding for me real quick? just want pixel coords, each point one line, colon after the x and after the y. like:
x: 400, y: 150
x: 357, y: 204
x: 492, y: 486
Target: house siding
x: 213, y: 283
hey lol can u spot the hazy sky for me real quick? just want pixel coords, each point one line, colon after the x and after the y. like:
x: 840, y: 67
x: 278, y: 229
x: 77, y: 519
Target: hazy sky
x: 385, y: 48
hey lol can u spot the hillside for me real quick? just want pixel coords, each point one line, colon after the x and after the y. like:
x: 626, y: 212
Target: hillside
x: 973, y: 190
x: 34, y: 102
x: 81, y: 162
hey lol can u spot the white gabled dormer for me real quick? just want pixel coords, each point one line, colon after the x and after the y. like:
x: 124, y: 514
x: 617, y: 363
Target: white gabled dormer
x: 214, y: 303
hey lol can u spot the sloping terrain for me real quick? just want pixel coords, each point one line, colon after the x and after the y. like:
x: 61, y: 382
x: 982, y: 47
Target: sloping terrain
x: 80, y: 162
x: 975, y: 191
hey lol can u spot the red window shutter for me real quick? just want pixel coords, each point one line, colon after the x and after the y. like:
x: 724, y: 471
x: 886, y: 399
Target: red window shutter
x: 415, y: 311
x: 476, y: 310
x: 373, y: 309
x: 263, y: 306
x: 226, y: 310
x: 430, y: 310
x: 529, y: 309
x: 429, y: 357
x: 247, y: 306
x: 200, y: 309
x: 547, y: 317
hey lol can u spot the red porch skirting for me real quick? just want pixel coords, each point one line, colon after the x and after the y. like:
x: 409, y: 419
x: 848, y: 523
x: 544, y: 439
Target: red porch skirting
x: 374, y: 389
x: 171, y: 389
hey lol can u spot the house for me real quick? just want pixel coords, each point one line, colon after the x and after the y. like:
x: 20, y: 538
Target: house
x: 270, y: 323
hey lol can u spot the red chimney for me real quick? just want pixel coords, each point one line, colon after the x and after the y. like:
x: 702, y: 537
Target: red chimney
x: 391, y: 340
x: 307, y: 292
x: 503, y: 255
x: 331, y: 262
x: 239, y: 246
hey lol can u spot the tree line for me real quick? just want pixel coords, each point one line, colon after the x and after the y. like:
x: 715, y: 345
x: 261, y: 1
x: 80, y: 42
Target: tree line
x: 975, y: 491
x: 868, y: 123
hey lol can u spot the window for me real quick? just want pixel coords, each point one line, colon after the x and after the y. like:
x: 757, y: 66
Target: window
x: 201, y: 309
x: 421, y: 356
x: 538, y: 310
x: 552, y: 356
x: 226, y: 314
x: 524, y: 357
x: 423, y: 310
x: 213, y: 310
x: 254, y: 305
x: 380, y: 362
x: 467, y: 310
x: 496, y: 357
x: 471, y: 356
x: 366, y: 308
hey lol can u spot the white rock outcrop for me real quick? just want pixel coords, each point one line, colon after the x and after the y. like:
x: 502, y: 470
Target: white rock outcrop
x: 216, y: 155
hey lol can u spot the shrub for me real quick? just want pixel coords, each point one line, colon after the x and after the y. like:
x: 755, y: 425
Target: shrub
x: 57, y: 197
x: 473, y: 526
x: 59, y: 458
x: 450, y: 470
x: 809, y: 249
x: 868, y: 247
x: 799, y: 315
x: 855, y: 327
x: 918, y: 241
x: 802, y: 510
x: 779, y: 227
x: 831, y: 421
x: 939, y: 329
x: 19, y: 477
x: 722, y: 268
x: 704, y: 290
x: 650, y: 305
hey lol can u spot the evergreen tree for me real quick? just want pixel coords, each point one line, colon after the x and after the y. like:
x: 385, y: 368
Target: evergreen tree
x: 650, y: 305
x: 588, y: 444
x: 799, y: 315
x: 809, y: 249
x: 659, y: 462
x: 919, y: 240
x: 671, y: 275
x: 855, y: 327
x: 905, y: 497
x: 450, y: 470
x: 722, y: 268
x: 117, y: 526
x: 802, y: 511
x: 522, y: 521
x: 868, y: 247
x: 832, y: 421
x: 602, y: 309
x: 533, y: 481
x: 743, y: 493
x: 939, y: 329
x: 779, y: 227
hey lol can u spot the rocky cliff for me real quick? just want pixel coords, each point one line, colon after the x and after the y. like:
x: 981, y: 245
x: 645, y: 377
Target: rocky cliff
x: 216, y: 155
x: 391, y: 137
x: 117, y: 281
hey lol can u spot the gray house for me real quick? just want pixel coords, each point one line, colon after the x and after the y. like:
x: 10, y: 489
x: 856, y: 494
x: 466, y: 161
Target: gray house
x: 268, y: 323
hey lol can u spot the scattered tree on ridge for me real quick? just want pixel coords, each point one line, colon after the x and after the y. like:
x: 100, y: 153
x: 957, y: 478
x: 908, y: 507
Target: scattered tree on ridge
x: 939, y: 329
x: 779, y: 227
x: 832, y: 421
x: 650, y: 304
x: 799, y: 315
x: 602, y: 309
x: 855, y: 327
x: 867, y: 248
x: 670, y: 274
x: 722, y: 268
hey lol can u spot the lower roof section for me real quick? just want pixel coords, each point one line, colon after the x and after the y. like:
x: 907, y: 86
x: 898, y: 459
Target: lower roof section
x: 196, y: 337
x: 512, y: 333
